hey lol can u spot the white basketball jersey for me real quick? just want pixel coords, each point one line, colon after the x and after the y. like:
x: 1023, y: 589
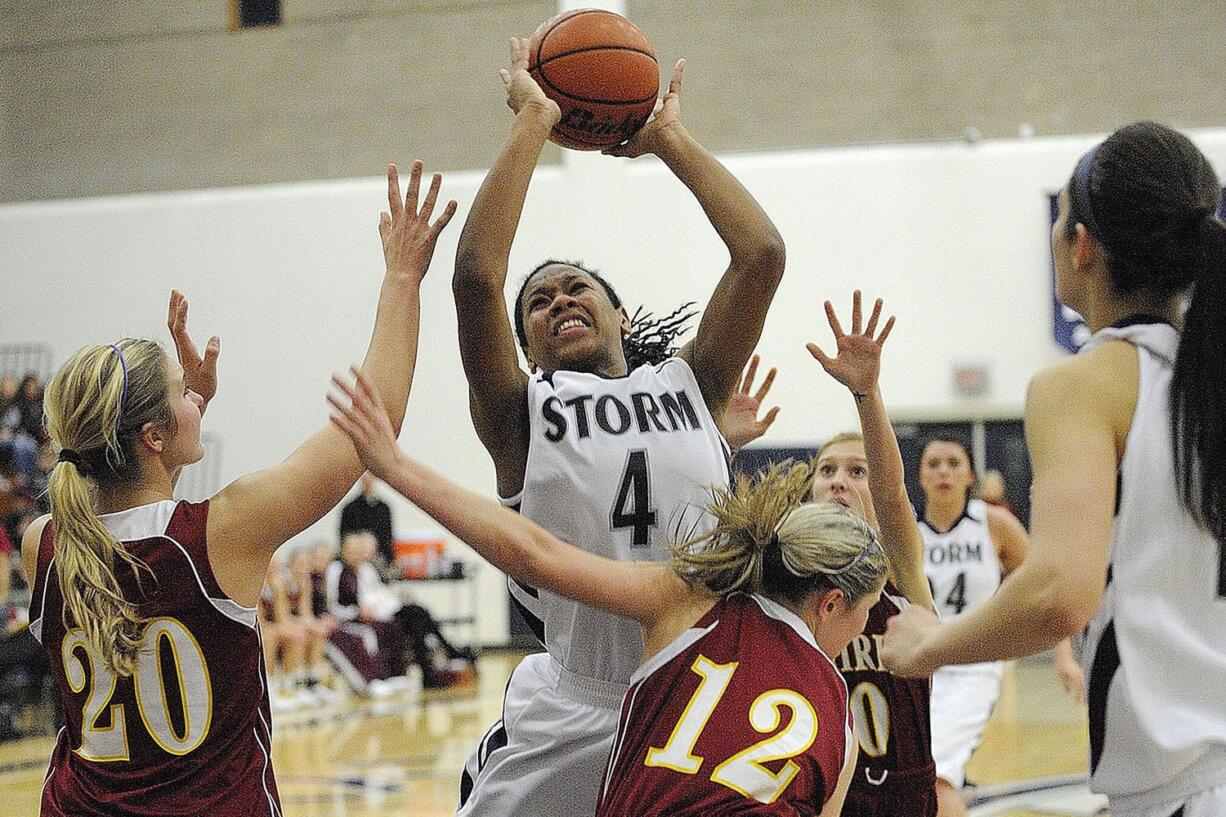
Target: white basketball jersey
x: 961, y: 564
x: 620, y: 467
x: 1155, y: 653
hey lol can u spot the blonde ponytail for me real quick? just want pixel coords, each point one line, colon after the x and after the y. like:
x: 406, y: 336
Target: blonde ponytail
x: 730, y: 556
x: 766, y: 541
x: 96, y: 407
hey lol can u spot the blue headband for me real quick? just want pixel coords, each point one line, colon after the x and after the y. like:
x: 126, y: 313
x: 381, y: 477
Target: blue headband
x: 123, y: 397
x: 1079, y: 191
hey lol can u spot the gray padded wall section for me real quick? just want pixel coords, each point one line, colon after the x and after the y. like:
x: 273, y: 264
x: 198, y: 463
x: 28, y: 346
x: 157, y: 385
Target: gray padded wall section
x: 114, y: 97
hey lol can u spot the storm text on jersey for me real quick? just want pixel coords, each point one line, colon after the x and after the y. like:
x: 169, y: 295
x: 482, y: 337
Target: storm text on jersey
x: 940, y: 553
x: 665, y: 413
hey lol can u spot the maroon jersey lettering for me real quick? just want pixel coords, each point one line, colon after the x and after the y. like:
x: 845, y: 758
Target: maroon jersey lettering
x: 741, y: 714
x: 890, y: 712
x: 188, y: 732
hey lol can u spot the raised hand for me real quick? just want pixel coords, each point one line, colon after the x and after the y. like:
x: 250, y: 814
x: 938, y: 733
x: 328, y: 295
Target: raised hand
x: 359, y: 412
x: 199, y: 373
x: 666, y: 118
x: 857, y: 361
x: 740, y: 422
x: 407, y: 234
x: 522, y: 89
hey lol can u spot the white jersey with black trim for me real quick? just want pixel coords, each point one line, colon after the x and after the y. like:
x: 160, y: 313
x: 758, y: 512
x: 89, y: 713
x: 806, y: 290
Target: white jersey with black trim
x: 1155, y: 652
x: 961, y: 564
x: 619, y: 466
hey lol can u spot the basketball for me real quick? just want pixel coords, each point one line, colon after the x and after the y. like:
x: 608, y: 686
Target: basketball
x: 602, y: 72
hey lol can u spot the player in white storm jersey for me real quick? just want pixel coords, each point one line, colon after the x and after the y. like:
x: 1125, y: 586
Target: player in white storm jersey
x: 1128, y: 441
x: 610, y: 443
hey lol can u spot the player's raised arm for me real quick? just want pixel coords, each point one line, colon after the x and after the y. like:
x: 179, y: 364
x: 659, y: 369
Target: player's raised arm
x: 732, y: 322
x: 487, y: 342
x: 857, y: 365
x: 255, y: 514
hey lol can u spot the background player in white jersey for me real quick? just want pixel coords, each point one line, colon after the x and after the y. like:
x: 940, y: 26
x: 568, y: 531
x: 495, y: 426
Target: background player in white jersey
x: 1128, y: 443
x: 968, y: 546
x: 598, y: 448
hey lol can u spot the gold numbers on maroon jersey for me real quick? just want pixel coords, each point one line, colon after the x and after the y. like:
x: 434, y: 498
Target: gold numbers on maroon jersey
x: 745, y: 772
x: 104, y: 735
x: 871, y: 712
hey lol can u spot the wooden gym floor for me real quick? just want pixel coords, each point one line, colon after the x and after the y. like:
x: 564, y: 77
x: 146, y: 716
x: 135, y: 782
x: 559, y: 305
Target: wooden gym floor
x: 402, y: 756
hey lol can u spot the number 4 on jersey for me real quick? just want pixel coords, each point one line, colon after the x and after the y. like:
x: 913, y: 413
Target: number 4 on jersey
x: 632, y: 506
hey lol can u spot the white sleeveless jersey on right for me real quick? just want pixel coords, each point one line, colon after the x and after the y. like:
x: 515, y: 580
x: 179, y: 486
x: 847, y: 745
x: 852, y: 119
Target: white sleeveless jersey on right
x: 961, y: 564
x: 1155, y: 653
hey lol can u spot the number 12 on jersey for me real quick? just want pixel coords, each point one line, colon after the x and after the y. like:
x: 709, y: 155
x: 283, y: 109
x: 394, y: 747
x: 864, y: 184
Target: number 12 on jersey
x: 745, y: 771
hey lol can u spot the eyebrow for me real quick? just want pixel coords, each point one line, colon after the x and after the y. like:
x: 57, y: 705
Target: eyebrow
x: 569, y: 278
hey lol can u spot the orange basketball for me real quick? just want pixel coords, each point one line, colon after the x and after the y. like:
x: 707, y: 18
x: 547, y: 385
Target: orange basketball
x: 601, y: 71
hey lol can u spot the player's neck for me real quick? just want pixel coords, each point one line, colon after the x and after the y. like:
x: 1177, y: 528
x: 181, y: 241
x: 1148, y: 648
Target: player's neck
x: 805, y: 611
x: 942, y: 516
x: 1109, y: 309
x: 121, y: 498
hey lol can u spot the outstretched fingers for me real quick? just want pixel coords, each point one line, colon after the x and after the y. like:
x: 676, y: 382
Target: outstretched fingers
x: 833, y: 319
x: 766, y: 384
x: 394, y: 203
x: 818, y: 354
x: 750, y: 373
x: 370, y: 398
x: 427, y: 206
x: 855, y: 312
x: 448, y: 212
x: 873, y: 318
x: 885, y: 333
x: 410, y: 199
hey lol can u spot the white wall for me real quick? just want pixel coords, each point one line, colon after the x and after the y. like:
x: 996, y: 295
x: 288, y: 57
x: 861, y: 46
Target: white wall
x: 953, y: 236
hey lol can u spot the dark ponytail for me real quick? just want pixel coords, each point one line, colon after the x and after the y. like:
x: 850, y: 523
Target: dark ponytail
x: 1151, y: 198
x: 1198, y: 386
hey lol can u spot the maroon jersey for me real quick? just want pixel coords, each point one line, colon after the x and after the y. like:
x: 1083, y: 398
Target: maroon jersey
x: 186, y: 733
x: 891, y: 715
x: 740, y: 714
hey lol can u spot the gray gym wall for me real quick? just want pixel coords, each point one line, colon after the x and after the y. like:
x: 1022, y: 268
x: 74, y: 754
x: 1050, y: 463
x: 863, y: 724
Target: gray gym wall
x: 115, y: 97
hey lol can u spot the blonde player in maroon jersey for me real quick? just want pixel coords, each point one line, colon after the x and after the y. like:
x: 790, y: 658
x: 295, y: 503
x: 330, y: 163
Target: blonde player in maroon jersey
x: 895, y: 773
x: 737, y: 707
x: 128, y: 583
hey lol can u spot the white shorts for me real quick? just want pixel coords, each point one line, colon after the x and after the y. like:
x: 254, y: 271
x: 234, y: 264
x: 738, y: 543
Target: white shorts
x: 547, y: 756
x: 1211, y: 803
x: 961, y: 702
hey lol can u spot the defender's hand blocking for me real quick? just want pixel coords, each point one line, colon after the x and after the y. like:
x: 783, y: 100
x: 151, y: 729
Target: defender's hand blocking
x: 857, y: 362
x: 407, y: 234
x: 363, y: 417
x: 522, y: 89
x: 740, y: 422
x: 667, y: 117
x: 199, y: 373
x: 906, y: 635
